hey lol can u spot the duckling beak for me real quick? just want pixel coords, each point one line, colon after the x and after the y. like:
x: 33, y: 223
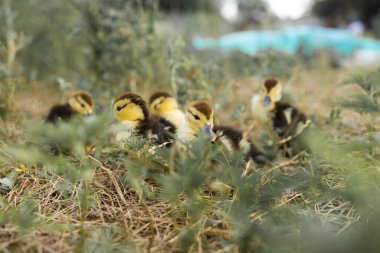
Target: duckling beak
x: 208, y: 132
x: 267, y: 101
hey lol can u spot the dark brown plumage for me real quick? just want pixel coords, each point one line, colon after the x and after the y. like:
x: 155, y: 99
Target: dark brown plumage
x: 58, y: 112
x: 158, y: 95
x: 270, y: 83
x: 86, y: 97
x: 286, y: 120
x: 235, y: 137
x: 157, y: 129
x: 136, y: 99
x: 281, y: 124
x: 204, y: 108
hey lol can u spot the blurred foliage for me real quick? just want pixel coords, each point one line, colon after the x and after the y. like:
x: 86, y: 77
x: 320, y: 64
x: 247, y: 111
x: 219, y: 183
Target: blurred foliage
x: 336, y: 11
x: 120, y: 41
x: 253, y: 13
x: 50, y: 30
x: 103, y: 42
x: 94, y: 43
x: 237, y: 64
x: 368, y: 100
x: 10, y: 45
x: 186, y: 6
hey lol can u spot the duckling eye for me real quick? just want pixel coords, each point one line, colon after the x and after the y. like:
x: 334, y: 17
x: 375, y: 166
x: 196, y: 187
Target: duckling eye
x: 82, y: 105
x: 119, y: 108
x: 196, y: 117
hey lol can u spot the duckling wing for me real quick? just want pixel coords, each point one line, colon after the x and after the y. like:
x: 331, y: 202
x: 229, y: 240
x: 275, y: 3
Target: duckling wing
x: 228, y: 136
x: 257, y: 155
x: 59, y: 112
x: 286, y: 119
x: 161, y: 130
x: 233, y: 139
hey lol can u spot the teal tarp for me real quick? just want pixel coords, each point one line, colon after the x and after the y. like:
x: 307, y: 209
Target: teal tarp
x: 290, y: 39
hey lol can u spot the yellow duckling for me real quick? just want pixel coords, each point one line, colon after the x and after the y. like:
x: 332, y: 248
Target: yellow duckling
x: 132, y: 112
x: 80, y: 103
x: 265, y: 101
x: 284, y: 119
x: 166, y: 106
x: 199, y: 119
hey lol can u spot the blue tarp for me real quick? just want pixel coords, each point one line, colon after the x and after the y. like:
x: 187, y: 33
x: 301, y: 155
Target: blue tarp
x: 290, y: 39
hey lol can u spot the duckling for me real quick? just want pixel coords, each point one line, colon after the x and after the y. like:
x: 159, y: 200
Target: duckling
x: 283, y: 118
x: 80, y: 103
x: 199, y: 119
x: 166, y: 106
x: 131, y: 110
x: 234, y: 139
x: 262, y: 104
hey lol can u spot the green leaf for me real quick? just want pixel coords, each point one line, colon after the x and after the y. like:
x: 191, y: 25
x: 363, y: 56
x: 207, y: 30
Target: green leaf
x: 361, y: 103
x: 187, y: 237
x: 369, y: 82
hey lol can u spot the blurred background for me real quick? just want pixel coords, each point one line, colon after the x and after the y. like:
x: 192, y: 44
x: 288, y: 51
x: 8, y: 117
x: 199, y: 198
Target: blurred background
x: 120, y: 41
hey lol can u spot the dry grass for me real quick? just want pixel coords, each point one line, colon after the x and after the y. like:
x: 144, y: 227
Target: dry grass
x: 146, y: 222
x: 149, y: 224
x: 152, y: 225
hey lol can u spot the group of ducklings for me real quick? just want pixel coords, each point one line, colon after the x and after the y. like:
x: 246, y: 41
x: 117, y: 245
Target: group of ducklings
x: 162, y: 122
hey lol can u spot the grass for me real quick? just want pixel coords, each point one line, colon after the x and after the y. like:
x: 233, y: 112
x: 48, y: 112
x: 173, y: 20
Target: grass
x: 109, y: 201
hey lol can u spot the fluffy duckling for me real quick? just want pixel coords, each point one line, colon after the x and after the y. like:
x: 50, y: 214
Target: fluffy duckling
x: 285, y: 120
x: 166, y: 106
x: 131, y: 110
x: 80, y: 103
x: 199, y: 119
x: 265, y: 102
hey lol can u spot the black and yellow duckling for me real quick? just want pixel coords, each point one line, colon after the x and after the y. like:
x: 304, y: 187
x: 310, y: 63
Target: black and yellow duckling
x: 199, y: 120
x: 80, y: 103
x: 132, y: 111
x: 165, y: 105
x: 283, y: 118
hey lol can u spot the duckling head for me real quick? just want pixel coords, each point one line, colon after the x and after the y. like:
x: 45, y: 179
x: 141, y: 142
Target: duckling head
x: 199, y: 117
x: 130, y: 108
x: 82, y: 103
x: 271, y: 91
x: 162, y: 102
